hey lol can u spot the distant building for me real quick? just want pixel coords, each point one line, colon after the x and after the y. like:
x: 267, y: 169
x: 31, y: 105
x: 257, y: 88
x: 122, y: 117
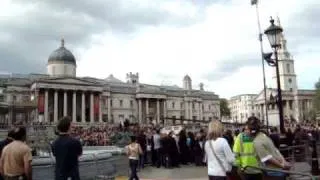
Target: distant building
x: 241, y: 107
x: 90, y: 100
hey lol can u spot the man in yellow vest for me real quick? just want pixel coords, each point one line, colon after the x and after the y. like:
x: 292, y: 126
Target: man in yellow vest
x: 244, y: 151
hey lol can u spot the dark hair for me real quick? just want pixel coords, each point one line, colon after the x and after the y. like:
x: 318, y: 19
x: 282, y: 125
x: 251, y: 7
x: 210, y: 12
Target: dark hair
x: 11, y: 133
x: 133, y: 138
x: 253, y: 124
x: 64, y: 124
x: 20, y: 134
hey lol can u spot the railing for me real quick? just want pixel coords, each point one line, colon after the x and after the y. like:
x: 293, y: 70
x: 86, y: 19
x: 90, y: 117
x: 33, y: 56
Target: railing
x: 291, y: 174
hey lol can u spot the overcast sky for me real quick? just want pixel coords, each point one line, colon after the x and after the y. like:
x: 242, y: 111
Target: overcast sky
x: 214, y: 41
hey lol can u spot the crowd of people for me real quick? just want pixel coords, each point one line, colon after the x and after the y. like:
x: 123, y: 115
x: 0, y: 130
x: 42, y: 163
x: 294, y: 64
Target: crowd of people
x: 223, y: 151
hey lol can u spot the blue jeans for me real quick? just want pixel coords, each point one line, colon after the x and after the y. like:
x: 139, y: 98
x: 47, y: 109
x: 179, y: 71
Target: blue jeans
x: 276, y: 175
x: 141, y: 160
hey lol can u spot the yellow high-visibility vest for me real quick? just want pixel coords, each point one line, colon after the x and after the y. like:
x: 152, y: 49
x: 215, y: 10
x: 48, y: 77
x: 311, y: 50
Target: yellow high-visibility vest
x: 245, y: 154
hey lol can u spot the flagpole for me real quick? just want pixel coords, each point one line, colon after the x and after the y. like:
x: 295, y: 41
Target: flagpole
x: 263, y: 65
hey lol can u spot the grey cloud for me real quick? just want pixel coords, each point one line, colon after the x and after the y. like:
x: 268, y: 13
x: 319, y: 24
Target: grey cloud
x: 27, y: 41
x: 230, y: 66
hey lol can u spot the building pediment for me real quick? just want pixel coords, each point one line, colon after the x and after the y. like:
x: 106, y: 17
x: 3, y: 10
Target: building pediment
x: 69, y: 80
x: 269, y: 91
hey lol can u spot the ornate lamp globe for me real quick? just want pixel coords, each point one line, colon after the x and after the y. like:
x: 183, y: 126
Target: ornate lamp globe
x: 274, y: 34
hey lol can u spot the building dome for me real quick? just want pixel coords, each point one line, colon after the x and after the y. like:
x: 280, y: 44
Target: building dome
x: 187, y: 78
x: 61, y: 62
x: 62, y: 56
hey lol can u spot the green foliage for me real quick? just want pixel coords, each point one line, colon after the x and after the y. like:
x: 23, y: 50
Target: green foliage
x: 317, y: 96
x: 224, y: 109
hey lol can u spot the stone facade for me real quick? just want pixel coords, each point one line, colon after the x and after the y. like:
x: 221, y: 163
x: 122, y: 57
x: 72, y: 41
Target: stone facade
x: 241, y: 107
x: 91, y: 100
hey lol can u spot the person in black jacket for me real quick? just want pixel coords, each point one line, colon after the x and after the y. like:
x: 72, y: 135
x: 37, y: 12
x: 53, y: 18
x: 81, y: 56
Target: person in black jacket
x: 67, y: 151
x: 142, y: 140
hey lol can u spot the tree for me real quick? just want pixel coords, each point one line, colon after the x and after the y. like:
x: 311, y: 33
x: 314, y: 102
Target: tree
x: 224, y: 109
x: 317, y: 96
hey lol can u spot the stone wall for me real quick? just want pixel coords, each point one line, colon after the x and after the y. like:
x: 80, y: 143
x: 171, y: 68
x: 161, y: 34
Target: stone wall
x: 110, y: 162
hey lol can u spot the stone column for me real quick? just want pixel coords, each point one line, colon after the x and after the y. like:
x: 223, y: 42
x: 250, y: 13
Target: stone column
x: 191, y: 109
x: 200, y: 110
x: 158, y: 111
x: 287, y: 108
x: 91, y: 108
x: 74, y: 107
x: 165, y: 111
x: 46, y: 106
x: 186, y: 109
x: 100, y: 108
x: 83, y: 107
x: 140, y: 111
x: 147, y: 110
x: 109, y: 108
x: 65, y: 103
x: 55, y: 108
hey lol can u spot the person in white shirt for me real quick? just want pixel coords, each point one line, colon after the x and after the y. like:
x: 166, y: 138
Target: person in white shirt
x: 218, y: 153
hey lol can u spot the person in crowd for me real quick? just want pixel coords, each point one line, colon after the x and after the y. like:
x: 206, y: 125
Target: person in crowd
x: 228, y: 136
x: 198, y: 150
x: 16, y: 158
x: 266, y: 151
x: 289, y: 137
x: 133, y: 151
x: 156, y: 149
x: 191, y: 144
x: 173, y: 150
x: 67, y: 151
x: 245, y: 156
x: 142, y: 140
x: 183, y: 148
x: 275, y: 137
x: 218, y: 152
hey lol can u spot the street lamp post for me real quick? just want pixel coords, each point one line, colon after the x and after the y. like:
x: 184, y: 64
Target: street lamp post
x: 274, y: 33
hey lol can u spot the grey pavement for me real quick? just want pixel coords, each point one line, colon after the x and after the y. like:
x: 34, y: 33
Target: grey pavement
x: 182, y: 173
x: 197, y: 173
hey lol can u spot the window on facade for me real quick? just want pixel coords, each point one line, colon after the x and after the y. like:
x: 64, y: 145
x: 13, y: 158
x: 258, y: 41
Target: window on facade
x: 210, y: 118
x: 202, y: 107
x: 209, y: 107
x: 291, y: 104
x: 181, y: 105
x: 290, y: 80
x: 291, y: 89
x: 172, y: 105
x: 131, y: 103
x: 111, y: 103
x: 288, y: 68
x: 121, y: 103
x: 193, y: 105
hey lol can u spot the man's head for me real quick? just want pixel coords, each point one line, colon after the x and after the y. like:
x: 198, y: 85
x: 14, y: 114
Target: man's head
x: 64, y: 125
x: 253, y: 125
x: 19, y: 133
x: 11, y: 134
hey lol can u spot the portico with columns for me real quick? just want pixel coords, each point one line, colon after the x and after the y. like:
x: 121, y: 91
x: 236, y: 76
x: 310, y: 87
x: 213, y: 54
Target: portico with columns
x: 76, y: 98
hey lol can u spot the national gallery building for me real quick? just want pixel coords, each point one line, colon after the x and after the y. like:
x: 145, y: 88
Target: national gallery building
x: 48, y: 97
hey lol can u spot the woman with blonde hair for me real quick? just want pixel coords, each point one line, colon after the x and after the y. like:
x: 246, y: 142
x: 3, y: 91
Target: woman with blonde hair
x: 218, y: 152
